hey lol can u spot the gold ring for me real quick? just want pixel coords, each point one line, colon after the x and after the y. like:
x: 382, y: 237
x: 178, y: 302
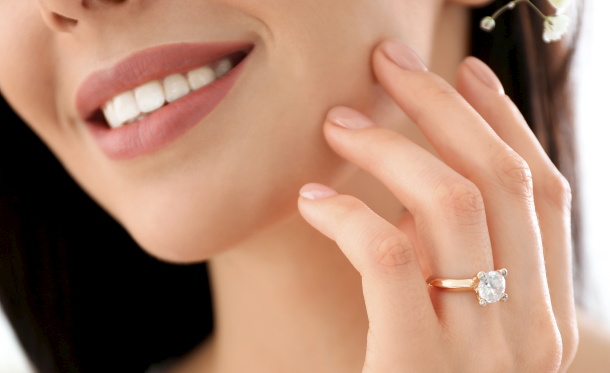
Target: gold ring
x: 490, y: 287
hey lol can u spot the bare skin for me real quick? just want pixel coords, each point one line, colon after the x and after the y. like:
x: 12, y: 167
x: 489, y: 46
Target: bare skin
x: 592, y: 354
x: 323, y: 284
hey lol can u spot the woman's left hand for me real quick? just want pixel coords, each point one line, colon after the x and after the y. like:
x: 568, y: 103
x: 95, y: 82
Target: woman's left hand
x: 494, y: 201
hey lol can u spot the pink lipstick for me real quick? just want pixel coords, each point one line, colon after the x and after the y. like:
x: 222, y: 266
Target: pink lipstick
x: 172, y: 120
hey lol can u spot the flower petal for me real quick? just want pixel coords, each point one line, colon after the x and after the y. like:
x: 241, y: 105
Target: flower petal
x: 560, y: 4
x: 555, y: 27
x: 488, y: 24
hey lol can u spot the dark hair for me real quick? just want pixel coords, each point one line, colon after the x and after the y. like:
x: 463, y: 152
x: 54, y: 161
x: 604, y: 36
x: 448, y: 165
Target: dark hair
x: 536, y: 76
x: 81, y: 294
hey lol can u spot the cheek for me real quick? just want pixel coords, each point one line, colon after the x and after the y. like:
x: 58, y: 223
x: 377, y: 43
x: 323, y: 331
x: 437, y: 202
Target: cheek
x: 26, y: 71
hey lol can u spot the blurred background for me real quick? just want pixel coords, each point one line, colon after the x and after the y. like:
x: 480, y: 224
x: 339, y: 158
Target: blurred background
x: 592, y: 94
x: 593, y: 98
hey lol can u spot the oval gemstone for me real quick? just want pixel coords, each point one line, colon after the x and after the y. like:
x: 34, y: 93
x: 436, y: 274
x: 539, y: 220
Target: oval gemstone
x: 491, y: 287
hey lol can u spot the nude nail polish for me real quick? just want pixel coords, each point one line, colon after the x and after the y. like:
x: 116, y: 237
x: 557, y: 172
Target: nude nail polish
x: 403, y: 56
x: 315, y: 191
x: 482, y: 72
x: 348, y: 118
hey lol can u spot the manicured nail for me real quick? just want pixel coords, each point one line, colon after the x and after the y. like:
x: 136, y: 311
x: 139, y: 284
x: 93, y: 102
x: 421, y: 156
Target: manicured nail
x: 484, y: 74
x: 348, y: 118
x: 315, y: 191
x: 402, y: 55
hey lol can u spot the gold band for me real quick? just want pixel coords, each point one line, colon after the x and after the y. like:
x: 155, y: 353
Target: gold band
x: 489, y: 286
x: 452, y: 284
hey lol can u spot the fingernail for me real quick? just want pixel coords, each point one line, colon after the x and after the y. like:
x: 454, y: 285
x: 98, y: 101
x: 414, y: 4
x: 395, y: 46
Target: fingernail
x: 402, y: 55
x: 313, y: 191
x: 484, y: 74
x: 348, y: 118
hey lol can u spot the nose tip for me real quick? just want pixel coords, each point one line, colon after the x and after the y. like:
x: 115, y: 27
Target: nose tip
x: 64, y: 15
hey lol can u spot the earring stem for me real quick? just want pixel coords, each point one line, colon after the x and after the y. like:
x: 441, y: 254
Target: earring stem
x: 512, y: 4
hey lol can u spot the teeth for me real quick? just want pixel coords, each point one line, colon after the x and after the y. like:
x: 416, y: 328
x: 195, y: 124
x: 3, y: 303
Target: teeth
x: 201, y: 77
x: 111, y: 116
x: 175, y: 87
x: 126, y: 107
x: 150, y: 96
x: 131, y: 106
x: 223, y: 67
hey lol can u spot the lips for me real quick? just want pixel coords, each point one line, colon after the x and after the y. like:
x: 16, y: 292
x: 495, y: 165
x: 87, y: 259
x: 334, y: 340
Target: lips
x: 170, y: 121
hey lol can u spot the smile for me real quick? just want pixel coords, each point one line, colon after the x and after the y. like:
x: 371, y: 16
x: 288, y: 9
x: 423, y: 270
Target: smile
x: 135, y: 105
x: 154, y: 96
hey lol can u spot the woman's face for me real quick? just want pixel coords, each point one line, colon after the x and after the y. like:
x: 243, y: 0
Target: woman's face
x: 239, y: 167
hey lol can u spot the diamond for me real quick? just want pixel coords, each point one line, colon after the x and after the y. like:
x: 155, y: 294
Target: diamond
x: 491, y: 287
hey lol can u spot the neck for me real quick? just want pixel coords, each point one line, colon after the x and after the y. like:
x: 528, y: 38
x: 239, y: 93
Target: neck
x: 268, y: 298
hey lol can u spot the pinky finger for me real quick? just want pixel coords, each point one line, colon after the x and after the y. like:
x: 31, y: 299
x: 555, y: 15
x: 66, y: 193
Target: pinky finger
x: 396, y: 294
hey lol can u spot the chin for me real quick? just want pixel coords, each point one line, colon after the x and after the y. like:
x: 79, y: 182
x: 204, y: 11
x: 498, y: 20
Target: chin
x: 181, y: 246
x: 195, y: 230
x: 183, y: 238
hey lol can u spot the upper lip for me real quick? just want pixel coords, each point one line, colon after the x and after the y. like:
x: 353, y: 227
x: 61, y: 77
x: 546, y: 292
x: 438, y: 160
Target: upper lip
x: 147, y: 65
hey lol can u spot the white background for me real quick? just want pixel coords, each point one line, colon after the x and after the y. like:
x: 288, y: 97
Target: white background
x: 593, y: 101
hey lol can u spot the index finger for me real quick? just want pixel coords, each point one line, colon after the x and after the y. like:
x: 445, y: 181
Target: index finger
x: 395, y: 291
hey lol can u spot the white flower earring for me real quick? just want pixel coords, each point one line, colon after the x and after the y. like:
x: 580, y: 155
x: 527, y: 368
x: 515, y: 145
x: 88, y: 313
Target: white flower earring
x: 555, y: 26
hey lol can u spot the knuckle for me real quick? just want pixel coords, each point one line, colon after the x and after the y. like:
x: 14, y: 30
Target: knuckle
x: 554, y: 187
x: 569, y: 341
x: 502, y: 362
x: 461, y: 199
x: 392, y: 251
x: 514, y: 174
x: 547, y: 357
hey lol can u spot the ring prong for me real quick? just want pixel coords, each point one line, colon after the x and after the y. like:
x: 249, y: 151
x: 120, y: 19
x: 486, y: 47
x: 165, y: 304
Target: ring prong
x: 504, y: 297
x: 504, y: 272
x: 482, y: 302
x: 481, y: 275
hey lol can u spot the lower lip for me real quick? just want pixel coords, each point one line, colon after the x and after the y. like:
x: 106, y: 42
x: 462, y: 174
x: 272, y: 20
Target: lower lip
x: 164, y: 125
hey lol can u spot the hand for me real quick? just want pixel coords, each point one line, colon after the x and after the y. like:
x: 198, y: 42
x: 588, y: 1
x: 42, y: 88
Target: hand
x: 473, y: 211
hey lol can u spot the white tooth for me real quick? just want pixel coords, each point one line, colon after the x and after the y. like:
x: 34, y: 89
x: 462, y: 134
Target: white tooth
x: 175, y: 87
x: 149, y: 96
x: 201, y: 77
x: 223, y: 67
x: 126, y: 107
x: 110, y: 115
